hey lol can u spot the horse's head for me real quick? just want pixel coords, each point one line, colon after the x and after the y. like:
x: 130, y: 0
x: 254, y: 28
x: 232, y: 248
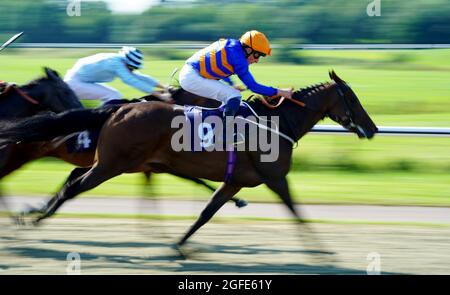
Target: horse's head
x: 54, y: 94
x: 348, y: 111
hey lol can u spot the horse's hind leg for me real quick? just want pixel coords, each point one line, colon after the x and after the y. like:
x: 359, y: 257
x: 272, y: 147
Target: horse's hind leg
x: 90, y: 179
x: 149, y: 204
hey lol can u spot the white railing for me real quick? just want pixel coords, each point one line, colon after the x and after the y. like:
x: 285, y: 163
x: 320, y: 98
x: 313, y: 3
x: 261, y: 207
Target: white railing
x: 388, y: 130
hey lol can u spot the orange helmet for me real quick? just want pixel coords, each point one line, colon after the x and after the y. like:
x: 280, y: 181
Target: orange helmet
x: 257, y: 41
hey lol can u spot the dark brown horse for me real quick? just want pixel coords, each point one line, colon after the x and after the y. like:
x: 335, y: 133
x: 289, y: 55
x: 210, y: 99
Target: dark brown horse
x: 27, y: 151
x: 137, y: 138
x: 48, y: 93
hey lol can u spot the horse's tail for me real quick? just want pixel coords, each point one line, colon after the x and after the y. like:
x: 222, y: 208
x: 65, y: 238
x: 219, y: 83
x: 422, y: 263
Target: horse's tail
x: 48, y: 126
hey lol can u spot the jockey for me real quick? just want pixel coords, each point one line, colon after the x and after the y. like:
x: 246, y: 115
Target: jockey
x: 85, y: 76
x: 202, y: 71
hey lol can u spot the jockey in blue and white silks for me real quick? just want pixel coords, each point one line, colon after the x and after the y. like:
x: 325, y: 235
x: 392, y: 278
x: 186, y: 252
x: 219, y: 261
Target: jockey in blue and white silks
x: 86, y: 76
x: 202, y: 72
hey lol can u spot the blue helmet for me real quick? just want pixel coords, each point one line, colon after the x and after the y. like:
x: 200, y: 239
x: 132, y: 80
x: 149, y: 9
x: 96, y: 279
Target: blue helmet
x: 132, y: 56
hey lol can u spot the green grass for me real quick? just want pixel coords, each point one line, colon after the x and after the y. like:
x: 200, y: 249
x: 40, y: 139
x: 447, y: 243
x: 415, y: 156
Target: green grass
x: 397, y: 88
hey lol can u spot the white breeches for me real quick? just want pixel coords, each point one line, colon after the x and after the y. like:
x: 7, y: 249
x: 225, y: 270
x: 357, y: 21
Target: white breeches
x: 191, y: 81
x: 91, y: 91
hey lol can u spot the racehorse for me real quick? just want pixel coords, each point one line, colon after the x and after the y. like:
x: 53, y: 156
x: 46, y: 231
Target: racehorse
x: 57, y: 148
x: 48, y: 93
x: 126, y: 145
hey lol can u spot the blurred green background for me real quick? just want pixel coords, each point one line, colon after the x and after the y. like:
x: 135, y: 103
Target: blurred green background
x: 299, y: 21
x: 397, y: 87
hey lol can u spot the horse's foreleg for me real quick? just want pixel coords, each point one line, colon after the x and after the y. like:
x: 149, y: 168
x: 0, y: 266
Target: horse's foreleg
x: 219, y: 198
x: 281, y: 188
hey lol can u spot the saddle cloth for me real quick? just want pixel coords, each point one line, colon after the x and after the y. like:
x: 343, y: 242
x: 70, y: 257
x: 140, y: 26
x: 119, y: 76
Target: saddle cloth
x: 204, y: 131
x: 86, y: 141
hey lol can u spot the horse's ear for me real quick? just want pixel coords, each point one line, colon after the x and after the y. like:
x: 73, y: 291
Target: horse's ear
x: 51, y: 74
x: 335, y: 77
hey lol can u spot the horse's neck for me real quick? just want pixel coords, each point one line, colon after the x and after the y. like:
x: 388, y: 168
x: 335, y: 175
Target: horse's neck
x: 305, y: 123
x: 296, y: 121
x: 316, y: 109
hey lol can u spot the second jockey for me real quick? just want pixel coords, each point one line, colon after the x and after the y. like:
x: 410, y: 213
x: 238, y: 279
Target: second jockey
x: 85, y: 78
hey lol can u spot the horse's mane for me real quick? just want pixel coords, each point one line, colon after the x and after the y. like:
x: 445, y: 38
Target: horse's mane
x: 311, y: 90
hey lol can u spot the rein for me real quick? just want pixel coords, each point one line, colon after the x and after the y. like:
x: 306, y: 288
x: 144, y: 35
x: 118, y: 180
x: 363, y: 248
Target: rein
x: 276, y: 130
x: 22, y: 94
x: 267, y: 104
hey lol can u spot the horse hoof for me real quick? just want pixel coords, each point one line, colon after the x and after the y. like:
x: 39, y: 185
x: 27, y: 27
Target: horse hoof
x: 37, y: 221
x: 181, y: 253
x: 241, y: 203
x: 18, y: 220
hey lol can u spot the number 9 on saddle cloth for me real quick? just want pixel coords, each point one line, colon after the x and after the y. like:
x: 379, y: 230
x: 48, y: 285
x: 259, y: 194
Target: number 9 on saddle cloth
x: 206, y: 128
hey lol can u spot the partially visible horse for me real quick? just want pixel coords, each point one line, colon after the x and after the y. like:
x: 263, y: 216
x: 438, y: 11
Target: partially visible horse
x: 48, y: 93
x: 126, y: 145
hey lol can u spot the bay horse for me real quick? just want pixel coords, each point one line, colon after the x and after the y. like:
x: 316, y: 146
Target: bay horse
x: 48, y: 93
x: 57, y: 148
x: 137, y: 138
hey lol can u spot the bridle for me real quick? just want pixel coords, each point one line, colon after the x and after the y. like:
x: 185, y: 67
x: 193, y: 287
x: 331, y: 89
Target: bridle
x: 341, y: 89
x: 267, y: 104
x: 349, y: 121
x: 22, y: 94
